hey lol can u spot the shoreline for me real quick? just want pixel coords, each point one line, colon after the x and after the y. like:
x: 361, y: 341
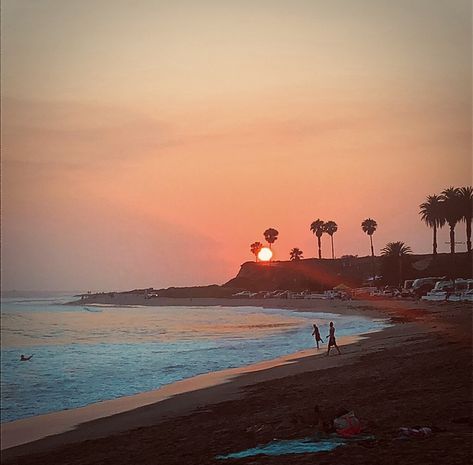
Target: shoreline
x: 232, y: 383
x: 37, y: 428
x: 27, y: 430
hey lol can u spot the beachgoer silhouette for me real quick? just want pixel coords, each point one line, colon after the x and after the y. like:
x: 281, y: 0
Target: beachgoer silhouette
x: 331, y: 339
x: 25, y: 359
x: 323, y: 423
x: 316, y: 334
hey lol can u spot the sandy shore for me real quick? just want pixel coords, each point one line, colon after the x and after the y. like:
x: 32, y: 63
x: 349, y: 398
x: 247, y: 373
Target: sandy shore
x: 338, y: 306
x: 278, y: 396
x: 27, y: 430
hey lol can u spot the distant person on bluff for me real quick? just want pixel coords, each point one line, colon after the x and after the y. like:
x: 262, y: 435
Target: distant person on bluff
x: 316, y: 334
x: 331, y: 339
x: 23, y: 358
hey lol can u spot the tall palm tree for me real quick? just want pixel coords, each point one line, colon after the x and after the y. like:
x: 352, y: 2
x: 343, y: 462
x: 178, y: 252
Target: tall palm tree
x: 369, y: 227
x: 270, y: 236
x: 432, y: 214
x: 466, y: 200
x: 330, y: 227
x: 397, y: 250
x: 317, y: 228
x: 255, y: 249
x: 452, y: 211
x: 296, y: 254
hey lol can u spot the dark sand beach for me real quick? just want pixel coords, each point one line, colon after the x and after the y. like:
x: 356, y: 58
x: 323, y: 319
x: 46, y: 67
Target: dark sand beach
x: 415, y: 373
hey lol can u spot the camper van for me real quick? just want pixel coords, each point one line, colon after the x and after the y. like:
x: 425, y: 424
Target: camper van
x: 421, y: 286
x: 451, y: 290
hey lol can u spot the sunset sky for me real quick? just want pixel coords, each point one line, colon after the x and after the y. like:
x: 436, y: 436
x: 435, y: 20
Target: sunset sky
x: 149, y: 143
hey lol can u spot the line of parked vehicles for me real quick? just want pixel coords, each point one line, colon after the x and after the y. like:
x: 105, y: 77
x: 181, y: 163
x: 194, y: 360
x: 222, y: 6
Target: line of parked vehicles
x: 279, y: 294
x: 434, y: 288
x: 431, y: 289
x: 458, y: 290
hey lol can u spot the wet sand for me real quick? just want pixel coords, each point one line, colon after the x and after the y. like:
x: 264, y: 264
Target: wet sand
x: 417, y: 372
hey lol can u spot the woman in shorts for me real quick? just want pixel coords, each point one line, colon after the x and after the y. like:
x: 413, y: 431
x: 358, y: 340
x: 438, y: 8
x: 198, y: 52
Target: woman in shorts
x: 316, y: 334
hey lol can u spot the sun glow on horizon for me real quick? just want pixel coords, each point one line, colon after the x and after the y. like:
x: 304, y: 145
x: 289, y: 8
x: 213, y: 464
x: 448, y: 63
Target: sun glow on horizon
x: 265, y: 254
x: 266, y: 114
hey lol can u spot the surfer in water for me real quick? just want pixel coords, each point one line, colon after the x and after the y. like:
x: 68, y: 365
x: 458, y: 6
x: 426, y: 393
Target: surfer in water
x: 24, y: 358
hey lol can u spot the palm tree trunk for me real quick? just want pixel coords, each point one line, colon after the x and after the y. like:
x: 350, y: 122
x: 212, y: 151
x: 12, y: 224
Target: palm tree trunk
x: 333, y: 255
x: 452, y: 238
x: 372, y: 260
x: 468, y: 235
x: 400, y: 271
x: 435, y: 241
x: 320, y: 247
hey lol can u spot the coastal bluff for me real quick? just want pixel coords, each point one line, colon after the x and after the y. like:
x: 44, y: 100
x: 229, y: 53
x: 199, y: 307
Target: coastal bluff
x: 307, y: 274
x: 321, y: 274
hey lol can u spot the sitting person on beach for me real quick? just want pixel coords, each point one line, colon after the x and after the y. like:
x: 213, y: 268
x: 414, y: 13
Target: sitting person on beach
x: 25, y: 359
x: 323, y: 424
x: 331, y: 339
x: 316, y: 334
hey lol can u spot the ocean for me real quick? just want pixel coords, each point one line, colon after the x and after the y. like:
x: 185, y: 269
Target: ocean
x: 86, y: 354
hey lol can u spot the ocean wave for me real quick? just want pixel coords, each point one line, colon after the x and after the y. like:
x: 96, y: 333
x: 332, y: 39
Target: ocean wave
x: 83, y: 357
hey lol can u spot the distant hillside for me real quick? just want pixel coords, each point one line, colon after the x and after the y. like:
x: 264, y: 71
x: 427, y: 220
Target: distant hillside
x: 315, y: 274
x: 309, y: 274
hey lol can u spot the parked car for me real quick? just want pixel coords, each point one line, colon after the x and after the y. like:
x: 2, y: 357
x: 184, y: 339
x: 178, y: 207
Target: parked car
x: 242, y: 294
x: 296, y: 295
x: 331, y: 294
x: 406, y: 290
x: 314, y: 295
x: 364, y: 290
x: 447, y: 290
x: 421, y: 286
x: 391, y: 291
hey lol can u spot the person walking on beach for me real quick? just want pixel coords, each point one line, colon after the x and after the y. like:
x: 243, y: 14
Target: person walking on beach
x: 316, y: 334
x: 331, y: 339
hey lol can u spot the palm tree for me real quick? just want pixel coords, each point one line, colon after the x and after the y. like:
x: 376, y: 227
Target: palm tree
x: 452, y: 211
x: 466, y: 200
x: 432, y: 214
x: 369, y: 227
x: 255, y: 249
x: 330, y: 227
x: 317, y: 228
x: 397, y: 251
x: 296, y: 254
x: 270, y: 236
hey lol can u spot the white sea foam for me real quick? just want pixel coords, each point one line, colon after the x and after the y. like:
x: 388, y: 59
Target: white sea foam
x: 81, y: 357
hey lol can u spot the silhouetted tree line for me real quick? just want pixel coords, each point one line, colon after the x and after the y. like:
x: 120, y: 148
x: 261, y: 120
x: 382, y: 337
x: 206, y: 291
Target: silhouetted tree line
x: 453, y: 205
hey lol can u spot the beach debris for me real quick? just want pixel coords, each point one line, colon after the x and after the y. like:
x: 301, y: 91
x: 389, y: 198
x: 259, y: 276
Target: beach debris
x: 408, y: 433
x: 295, y: 446
x: 258, y: 429
x: 347, y: 425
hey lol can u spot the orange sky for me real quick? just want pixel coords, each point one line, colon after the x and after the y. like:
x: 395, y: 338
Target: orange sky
x: 149, y: 143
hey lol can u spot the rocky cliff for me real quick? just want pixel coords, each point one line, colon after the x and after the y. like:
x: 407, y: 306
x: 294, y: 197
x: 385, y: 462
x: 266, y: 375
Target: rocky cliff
x: 317, y: 275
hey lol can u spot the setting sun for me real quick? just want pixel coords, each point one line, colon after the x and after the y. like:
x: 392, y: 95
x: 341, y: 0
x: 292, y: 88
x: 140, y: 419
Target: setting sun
x: 265, y: 254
